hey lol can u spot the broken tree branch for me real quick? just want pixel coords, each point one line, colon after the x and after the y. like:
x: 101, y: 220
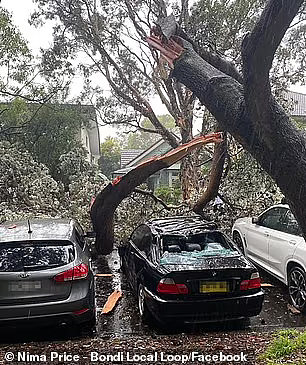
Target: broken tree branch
x: 215, y: 177
x: 106, y: 202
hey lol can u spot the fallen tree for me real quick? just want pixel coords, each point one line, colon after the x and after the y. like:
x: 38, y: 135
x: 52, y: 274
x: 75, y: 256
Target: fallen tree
x: 245, y: 106
x: 104, y: 206
x: 242, y: 104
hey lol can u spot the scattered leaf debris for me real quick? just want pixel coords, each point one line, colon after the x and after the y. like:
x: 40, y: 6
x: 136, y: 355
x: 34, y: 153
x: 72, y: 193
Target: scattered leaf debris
x: 292, y: 309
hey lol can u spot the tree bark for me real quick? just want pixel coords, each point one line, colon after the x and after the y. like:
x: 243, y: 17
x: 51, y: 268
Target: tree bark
x: 215, y: 176
x: 249, y: 112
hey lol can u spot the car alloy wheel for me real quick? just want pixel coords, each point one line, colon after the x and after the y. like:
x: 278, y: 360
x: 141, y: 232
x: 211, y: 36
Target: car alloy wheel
x: 238, y: 240
x: 297, y: 288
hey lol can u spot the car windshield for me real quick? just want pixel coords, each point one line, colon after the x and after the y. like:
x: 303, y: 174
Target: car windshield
x: 26, y: 256
x: 182, y: 249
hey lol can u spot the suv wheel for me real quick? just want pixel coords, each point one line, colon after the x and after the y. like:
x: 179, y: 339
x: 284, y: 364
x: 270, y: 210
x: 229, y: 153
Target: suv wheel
x: 297, y: 288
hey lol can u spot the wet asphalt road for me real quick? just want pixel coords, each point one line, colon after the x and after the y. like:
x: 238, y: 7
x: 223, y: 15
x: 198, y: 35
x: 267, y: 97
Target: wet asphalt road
x: 124, y: 319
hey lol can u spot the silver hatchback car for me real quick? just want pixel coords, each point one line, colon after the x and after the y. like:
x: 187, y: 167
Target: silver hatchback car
x: 45, y: 274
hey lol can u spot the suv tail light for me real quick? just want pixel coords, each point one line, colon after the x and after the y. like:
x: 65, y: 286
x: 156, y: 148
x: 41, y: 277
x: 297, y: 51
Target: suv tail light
x: 75, y: 273
x: 252, y: 283
x: 168, y: 286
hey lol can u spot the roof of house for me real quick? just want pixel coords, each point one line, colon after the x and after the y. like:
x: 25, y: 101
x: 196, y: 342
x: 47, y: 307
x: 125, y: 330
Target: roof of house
x: 128, y: 156
x: 157, y: 149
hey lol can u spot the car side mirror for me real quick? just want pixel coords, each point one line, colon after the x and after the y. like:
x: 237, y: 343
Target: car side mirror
x: 255, y: 220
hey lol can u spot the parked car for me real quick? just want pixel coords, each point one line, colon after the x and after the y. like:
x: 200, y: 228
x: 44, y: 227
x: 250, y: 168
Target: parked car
x: 184, y: 269
x: 45, y: 274
x: 274, y: 242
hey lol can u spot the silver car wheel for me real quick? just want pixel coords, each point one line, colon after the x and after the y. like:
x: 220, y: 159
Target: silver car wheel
x: 297, y: 288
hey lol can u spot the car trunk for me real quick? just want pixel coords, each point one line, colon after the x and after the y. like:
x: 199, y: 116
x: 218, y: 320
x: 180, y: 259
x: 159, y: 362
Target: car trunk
x: 217, y: 276
x: 27, y: 271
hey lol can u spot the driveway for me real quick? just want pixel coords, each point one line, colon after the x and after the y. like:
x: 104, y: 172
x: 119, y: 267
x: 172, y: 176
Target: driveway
x: 121, y: 332
x: 125, y: 319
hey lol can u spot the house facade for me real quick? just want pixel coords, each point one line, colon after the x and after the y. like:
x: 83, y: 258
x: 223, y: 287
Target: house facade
x: 297, y: 104
x: 131, y: 158
x: 88, y: 133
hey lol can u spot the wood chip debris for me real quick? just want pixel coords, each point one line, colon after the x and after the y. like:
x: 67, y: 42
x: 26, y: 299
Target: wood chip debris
x: 266, y: 284
x: 103, y: 275
x: 111, y: 301
x: 292, y: 309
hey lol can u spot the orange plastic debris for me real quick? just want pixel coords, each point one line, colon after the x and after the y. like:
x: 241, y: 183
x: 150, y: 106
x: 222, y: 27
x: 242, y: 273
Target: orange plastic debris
x: 111, y: 301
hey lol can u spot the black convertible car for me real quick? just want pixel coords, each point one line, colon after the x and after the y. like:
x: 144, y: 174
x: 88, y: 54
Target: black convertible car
x: 184, y: 269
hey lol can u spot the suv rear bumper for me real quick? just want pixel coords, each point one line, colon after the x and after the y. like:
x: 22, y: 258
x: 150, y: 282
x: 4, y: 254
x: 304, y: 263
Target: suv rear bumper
x: 59, y: 312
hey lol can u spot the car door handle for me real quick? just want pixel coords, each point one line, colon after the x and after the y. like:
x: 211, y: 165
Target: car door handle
x: 267, y: 234
x: 292, y: 242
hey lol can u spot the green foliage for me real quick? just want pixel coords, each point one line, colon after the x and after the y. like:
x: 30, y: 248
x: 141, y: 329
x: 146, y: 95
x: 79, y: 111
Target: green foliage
x: 110, y: 151
x: 46, y: 131
x: 249, y: 188
x: 141, y: 140
x: 73, y: 164
x: 83, y: 182
x: 287, y: 343
x: 170, y: 195
x: 26, y: 187
x: 220, y: 25
x: 14, y: 51
x: 137, y: 209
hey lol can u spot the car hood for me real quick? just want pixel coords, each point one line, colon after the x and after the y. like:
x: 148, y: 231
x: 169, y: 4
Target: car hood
x: 183, y: 262
x: 247, y: 220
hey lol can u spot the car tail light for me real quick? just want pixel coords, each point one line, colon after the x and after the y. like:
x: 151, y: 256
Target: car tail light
x: 81, y: 311
x: 75, y: 273
x: 252, y: 283
x: 168, y: 286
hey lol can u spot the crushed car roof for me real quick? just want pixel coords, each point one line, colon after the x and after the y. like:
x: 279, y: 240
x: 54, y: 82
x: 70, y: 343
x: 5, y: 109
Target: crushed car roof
x: 36, y: 229
x: 181, y: 225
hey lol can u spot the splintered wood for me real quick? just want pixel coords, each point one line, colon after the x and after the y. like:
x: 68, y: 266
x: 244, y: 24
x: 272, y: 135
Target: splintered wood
x: 111, y: 301
x: 104, y: 275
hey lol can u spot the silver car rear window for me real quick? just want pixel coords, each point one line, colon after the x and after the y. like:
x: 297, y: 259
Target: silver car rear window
x: 38, y: 255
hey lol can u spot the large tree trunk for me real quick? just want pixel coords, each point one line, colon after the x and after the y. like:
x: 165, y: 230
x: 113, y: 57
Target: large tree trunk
x: 249, y: 112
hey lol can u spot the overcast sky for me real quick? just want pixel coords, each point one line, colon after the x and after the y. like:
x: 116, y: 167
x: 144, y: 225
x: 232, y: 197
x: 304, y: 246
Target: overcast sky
x: 42, y: 37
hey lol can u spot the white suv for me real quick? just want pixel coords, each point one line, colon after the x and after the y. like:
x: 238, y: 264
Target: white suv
x: 274, y: 242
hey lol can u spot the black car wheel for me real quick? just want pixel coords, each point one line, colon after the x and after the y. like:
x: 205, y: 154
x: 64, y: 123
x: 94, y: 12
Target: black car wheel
x: 90, y: 325
x: 297, y: 288
x: 238, y: 240
x: 142, y: 306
